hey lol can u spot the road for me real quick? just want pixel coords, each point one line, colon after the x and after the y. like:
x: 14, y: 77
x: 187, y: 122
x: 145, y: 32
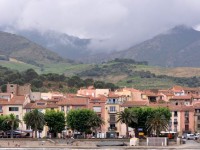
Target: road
x: 190, y: 144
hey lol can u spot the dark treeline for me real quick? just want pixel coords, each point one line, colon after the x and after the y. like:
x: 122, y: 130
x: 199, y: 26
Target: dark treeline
x: 45, y: 82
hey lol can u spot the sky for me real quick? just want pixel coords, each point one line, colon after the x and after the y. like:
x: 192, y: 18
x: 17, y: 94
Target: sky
x: 113, y: 24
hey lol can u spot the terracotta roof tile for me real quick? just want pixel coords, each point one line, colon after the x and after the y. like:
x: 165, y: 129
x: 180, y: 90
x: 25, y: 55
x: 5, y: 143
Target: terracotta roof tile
x: 51, y: 106
x: 134, y: 103
x: 3, y: 101
x: 181, y: 97
x: 177, y: 88
x: 173, y: 107
x: 15, y: 100
x: 196, y: 105
x: 74, y: 101
x: 100, y: 99
x: 113, y: 95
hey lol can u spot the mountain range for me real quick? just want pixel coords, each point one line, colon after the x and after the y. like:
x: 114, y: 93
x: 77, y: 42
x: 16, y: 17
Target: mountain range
x: 177, y: 47
x: 22, y: 49
x: 66, y: 46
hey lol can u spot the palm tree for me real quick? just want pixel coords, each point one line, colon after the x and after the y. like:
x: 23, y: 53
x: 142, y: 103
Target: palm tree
x: 96, y: 122
x: 157, y: 122
x: 127, y: 116
x: 35, y: 119
x: 12, y: 120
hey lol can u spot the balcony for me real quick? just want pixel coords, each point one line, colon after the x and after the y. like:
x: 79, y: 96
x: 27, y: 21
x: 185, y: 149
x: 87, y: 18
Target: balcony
x: 112, y: 111
x: 197, y: 113
x: 112, y: 102
x: 112, y: 129
x: 187, y: 121
x: 112, y: 120
x: 176, y: 122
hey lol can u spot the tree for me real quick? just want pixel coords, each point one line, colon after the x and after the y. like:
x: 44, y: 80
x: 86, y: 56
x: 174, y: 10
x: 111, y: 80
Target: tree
x: 55, y: 120
x: 35, y: 119
x: 30, y: 74
x: 88, y: 82
x: 144, y: 114
x: 4, y: 126
x: 12, y: 120
x: 111, y: 86
x: 127, y: 117
x: 157, y: 122
x: 37, y: 83
x: 4, y: 88
x: 99, y: 84
x: 75, y: 81
x: 96, y: 122
x: 79, y: 119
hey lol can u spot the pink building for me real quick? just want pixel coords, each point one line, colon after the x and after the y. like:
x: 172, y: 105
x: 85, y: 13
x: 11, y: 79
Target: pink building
x: 90, y: 91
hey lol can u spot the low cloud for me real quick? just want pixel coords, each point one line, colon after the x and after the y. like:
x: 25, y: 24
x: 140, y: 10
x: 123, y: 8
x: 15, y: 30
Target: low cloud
x: 113, y: 24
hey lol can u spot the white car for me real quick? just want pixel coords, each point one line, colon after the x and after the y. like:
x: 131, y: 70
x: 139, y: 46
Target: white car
x: 191, y: 137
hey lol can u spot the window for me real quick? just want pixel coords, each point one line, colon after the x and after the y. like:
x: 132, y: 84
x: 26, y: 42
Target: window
x: 175, y: 128
x: 186, y: 127
x: 187, y: 113
x: 13, y: 109
x: 28, y: 110
x: 112, y: 118
x: 175, y: 122
x: 40, y: 104
x: 198, y: 126
x: 112, y: 126
x: 197, y: 110
x: 62, y: 108
x: 17, y: 116
x: 198, y: 117
x: 112, y: 109
x: 77, y: 107
x: 97, y: 109
x: 175, y: 113
x: 170, y: 122
x: 68, y: 108
x: 40, y: 110
x: 1, y: 110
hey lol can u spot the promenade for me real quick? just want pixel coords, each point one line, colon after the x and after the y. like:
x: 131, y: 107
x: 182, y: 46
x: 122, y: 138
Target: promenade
x: 31, y: 144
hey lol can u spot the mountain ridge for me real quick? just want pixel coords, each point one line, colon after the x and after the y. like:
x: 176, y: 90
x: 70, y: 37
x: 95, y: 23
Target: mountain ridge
x: 176, y: 48
x: 20, y: 48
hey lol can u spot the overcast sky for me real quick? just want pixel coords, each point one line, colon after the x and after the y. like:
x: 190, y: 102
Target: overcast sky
x: 118, y: 23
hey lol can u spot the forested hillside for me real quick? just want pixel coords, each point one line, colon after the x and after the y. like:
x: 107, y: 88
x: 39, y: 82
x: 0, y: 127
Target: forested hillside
x: 48, y: 82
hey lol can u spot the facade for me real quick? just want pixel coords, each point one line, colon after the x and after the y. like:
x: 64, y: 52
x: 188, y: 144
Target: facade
x: 112, y: 108
x: 183, y: 104
x: 14, y: 106
x: 18, y: 89
x: 197, y: 117
x: 97, y: 104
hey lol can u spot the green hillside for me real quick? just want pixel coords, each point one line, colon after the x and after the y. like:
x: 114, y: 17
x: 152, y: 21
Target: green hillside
x: 122, y: 72
x: 59, y: 68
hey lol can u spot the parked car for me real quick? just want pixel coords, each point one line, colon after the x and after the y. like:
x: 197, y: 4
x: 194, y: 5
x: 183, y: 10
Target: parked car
x: 191, y: 137
x: 197, y: 136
